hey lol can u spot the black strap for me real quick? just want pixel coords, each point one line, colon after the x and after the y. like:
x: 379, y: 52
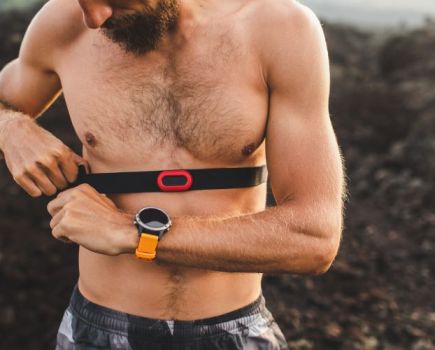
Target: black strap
x: 147, y: 181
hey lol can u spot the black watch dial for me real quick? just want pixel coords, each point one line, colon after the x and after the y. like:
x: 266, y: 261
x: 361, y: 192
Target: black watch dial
x: 153, y: 220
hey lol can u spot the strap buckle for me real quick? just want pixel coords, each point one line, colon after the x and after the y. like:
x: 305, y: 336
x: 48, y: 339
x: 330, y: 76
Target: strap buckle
x: 175, y: 175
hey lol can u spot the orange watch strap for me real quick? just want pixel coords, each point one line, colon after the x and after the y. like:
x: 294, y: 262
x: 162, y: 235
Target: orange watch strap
x: 147, y: 247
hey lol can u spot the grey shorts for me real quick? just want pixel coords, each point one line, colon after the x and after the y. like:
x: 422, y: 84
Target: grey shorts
x: 88, y: 326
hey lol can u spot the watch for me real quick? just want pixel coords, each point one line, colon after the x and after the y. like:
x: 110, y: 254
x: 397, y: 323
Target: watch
x: 152, y: 223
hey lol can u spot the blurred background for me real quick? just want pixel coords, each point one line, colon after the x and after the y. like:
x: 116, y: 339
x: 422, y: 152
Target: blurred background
x: 379, y: 294
x: 374, y: 14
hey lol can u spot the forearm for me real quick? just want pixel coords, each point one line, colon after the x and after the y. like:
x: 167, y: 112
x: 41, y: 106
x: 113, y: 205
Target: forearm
x: 281, y: 239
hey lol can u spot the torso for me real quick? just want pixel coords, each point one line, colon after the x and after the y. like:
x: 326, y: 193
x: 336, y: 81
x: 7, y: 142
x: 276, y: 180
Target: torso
x: 203, y: 105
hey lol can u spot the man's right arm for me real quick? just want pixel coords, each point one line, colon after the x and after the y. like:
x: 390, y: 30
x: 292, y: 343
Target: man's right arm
x: 30, y: 83
x: 38, y: 161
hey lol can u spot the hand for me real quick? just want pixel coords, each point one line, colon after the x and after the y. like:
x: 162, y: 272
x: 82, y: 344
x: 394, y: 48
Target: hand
x: 38, y: 161
x: 90, y: 219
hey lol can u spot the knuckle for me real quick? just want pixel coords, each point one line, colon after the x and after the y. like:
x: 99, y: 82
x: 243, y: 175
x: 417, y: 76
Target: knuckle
x: 48, y: 162
x: 79, y: 191
x: 18, y: 177
x: 60, y: 226
x: 72, y: 196
x: 82, y: 187
x: 69, y: 213
x: 85, y: 188
x: 55, y: 232
x: 63, y: 152
x: 31, y: 168
x: 67, y: 207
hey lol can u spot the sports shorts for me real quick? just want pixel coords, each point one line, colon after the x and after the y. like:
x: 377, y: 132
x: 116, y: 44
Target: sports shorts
x: 88, y: 326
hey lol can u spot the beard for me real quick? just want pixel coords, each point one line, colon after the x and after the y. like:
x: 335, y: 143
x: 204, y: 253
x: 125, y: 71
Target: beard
x: 142, y: 32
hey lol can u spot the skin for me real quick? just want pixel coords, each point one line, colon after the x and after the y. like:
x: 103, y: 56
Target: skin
x: 239, y: 83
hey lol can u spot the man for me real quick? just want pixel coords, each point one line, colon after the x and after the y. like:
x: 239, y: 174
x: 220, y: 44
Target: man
x: 178, y: 84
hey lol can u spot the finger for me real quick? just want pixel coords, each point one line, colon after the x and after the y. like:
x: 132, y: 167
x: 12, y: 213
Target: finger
x: 59, y: 202
x: 69, y: 168
x: 55, y: 174
x: 57, y: 217
x: 54, y: 207
x: 28, y: 185
x: 58, y: 234
x: 42, y: 181
x: 82, y: 161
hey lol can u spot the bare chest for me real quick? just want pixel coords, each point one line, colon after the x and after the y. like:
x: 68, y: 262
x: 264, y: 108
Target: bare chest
x: 207, y: 99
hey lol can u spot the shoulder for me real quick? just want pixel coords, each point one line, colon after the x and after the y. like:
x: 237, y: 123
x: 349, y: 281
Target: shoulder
x: 285, y: 32
x: 56, y: 26
x: 282, y: 17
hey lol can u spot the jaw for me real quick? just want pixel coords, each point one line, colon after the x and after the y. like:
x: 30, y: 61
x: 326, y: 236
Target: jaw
x: 141, y: 32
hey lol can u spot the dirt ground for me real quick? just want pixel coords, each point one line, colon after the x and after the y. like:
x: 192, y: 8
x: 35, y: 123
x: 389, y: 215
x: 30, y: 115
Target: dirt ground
x: 379, y: 294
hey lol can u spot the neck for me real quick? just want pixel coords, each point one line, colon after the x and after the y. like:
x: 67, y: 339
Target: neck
x: 192, y: 14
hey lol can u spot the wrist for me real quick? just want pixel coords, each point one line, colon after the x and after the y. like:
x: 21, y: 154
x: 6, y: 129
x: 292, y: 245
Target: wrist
x: 127, y: 236
x: 8, y: 119
x: 152, y: 224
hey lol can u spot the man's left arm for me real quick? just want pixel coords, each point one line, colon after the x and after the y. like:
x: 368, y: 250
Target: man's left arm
x: 302, y: 233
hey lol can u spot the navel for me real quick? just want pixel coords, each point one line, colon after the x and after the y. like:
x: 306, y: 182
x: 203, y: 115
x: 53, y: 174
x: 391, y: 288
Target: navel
x: 90, y: 139
x: 249, y: 149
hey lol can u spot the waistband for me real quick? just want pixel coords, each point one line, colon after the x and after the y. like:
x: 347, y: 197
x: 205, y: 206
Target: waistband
x: 106, y: 319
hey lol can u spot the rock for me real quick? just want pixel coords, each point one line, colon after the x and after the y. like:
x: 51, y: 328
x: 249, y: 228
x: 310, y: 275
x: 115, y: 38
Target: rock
x: 333, y: 330
x: 369, y: 343
x: 423, y: 344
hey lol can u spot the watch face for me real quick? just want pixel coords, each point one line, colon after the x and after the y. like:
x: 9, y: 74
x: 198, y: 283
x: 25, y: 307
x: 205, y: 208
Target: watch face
x: 153, y: 219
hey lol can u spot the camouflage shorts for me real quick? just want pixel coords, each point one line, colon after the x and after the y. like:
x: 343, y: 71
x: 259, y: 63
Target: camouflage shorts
x: 88, y: 326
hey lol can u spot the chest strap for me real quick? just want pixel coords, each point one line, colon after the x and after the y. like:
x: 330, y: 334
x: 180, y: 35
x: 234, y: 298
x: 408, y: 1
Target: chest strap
x: 178, y: 180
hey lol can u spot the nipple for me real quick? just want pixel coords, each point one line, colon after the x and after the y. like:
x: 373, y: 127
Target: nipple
x: 249, y: 149
x: 90, y: 139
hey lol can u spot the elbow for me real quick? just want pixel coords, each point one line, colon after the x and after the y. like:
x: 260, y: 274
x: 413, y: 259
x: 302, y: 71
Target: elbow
x: 317, y: 259
x: 322, y: 264
x: 327, y: 245
x: 325, y: 255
